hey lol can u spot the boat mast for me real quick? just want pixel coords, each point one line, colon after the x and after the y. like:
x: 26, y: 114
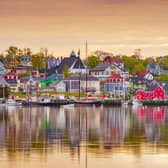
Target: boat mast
x: 86, y: 67
x: 79, y: 74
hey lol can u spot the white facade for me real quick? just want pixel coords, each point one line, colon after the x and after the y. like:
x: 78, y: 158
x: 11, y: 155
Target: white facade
x: 59, y: 86
x: 102, y: 75
x: 148, y: 76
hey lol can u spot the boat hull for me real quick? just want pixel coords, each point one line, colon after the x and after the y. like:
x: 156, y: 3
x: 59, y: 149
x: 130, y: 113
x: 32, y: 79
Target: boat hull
x: 87, y: 103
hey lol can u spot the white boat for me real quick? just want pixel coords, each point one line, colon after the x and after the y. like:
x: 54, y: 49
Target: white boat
x: 12, y: 102
x: 125, y: 103
x: 136, y: 102
x: 68, y: 106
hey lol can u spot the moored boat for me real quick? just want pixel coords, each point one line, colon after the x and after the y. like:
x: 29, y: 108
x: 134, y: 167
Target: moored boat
x: 88, y: 102
x: 12, y: 102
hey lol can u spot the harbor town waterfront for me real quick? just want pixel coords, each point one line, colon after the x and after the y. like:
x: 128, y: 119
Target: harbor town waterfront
x: 83, y: 84
x: 83, y: 137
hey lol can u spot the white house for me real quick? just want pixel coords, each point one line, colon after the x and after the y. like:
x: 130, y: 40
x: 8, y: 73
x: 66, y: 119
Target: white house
x: 60, y: 86
x: 73, y: 63
x: 105, y: 70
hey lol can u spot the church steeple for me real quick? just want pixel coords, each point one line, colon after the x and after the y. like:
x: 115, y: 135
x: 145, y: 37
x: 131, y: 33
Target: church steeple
x: 73, y: 53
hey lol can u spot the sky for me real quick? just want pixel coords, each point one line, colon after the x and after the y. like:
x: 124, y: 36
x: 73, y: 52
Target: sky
x: 117, y: 26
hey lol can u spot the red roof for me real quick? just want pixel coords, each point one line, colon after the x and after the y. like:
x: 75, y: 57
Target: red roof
x: 102, y: 82
x: 111, y: 60
x: 115, y: 76
x: 25, y: 80
x: 141, y: 73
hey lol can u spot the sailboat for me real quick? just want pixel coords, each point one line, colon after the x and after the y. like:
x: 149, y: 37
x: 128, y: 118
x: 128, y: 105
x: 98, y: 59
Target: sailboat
x: 85, y: 101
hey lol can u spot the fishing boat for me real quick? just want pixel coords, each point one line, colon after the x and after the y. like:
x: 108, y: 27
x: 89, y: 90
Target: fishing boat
x: 12, y: 102
x: 86, y: 101
x: 68, y: 106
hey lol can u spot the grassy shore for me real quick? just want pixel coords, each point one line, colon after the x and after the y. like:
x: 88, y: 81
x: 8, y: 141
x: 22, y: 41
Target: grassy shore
x: 74, y: 94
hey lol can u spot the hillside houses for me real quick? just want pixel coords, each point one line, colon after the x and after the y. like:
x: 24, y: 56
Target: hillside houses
x: 72, y: 84
x: 104, y: 70
x: 13, y: 81
x: 154, y: 69
x: 110, y: 76
x: 115, y: 84
x: 73, y: 63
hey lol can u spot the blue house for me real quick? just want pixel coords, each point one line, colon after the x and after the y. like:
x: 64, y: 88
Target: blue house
x: 2, y: 68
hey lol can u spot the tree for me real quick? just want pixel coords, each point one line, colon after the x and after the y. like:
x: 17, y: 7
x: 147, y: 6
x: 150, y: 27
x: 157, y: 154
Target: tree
x: 164, y: 62
x: 132, y: 64
x: 12, y: 55
x: 66, y: 71
x: 38, y: 61
x: 4, y: 90
x: 92, y: 61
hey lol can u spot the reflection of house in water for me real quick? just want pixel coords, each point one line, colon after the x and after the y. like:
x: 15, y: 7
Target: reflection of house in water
x: 152, y: 119
x: 115, y: 125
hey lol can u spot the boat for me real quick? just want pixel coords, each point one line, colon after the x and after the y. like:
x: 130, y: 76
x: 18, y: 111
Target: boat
x: 12, y: 102
x: 87, y: 102
x: 125, y: 103
x: 68, y: 106
x: 136, y: 102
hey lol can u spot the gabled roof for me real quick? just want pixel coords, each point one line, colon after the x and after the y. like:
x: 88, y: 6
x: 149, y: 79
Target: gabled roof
x: 152, y: 85
x: 69, y: 61
x: 139, y: 79
x: 82, y: 78
x: 115, y: 76
x: 141, y: 73
x: 101, y: 67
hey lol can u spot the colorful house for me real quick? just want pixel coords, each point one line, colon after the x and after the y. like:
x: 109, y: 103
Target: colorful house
x: 73, y: 63
x: 29, y: 85
x: 72, y: 84
x: 145, y: 74
x: 13, y: 80
x: 116, y: 85
x: 25, y: 60
x: 59, y: 86
x: 46, y: 82
x: 115, y: 61
x: 20, y: 69
x: 2, y: 68
x: 105, y: 70
x: 52, y: 65
x: 154, y: 69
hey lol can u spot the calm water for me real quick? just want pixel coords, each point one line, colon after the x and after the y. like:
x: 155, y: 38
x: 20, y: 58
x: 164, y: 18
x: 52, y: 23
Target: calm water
x: 84, y: 137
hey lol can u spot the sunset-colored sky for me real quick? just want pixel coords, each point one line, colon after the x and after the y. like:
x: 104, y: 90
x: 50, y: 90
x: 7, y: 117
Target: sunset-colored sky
x: 117, y: 26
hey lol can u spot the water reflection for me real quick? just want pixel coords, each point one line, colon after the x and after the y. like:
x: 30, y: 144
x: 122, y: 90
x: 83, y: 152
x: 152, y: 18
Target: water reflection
x: 98, y: 131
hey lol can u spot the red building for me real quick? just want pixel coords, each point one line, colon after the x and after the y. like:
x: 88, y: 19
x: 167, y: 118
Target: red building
x: 13, y: 80
x: 116, y: 84
x: 109, y: 60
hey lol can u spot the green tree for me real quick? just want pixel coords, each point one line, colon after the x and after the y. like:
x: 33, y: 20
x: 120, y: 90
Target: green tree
x: 4, y: 91
x: 13, y: 53
x: 164, y: 62
x: 132, y: 64
x: 92, y: 61
x: 66, y: 71
x: 38, y: 61
x: 164, y: 77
